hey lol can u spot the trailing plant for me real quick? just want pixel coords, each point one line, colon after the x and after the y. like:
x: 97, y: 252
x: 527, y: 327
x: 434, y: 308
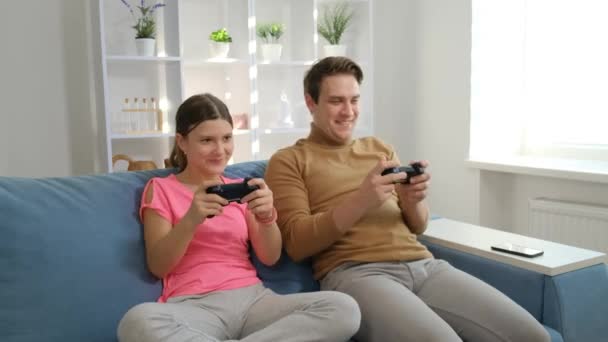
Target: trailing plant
x: 220, y: 36
x: 334, y: 22
x: 145, y: 25
x: 270, y: 32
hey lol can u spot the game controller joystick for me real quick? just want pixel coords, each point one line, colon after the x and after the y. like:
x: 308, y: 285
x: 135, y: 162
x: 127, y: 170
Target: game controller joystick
x: 414, y: 169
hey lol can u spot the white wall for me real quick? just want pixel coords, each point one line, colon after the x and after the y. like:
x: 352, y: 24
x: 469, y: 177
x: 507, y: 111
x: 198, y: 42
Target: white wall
x: 46, y: 122
x: 441, y: 119
x: 395, y: 74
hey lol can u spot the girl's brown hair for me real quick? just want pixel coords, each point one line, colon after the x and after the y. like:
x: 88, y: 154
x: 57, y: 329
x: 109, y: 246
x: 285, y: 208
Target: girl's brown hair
x: 193, y: 111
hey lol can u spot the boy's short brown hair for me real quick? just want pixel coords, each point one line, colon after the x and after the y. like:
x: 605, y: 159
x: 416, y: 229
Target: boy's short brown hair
x: 329, y: 66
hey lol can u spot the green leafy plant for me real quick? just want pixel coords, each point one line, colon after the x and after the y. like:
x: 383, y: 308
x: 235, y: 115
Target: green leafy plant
x: 145, y: 26
x: 334, y: 22
x: 220, y: 36
x: 270, y: 32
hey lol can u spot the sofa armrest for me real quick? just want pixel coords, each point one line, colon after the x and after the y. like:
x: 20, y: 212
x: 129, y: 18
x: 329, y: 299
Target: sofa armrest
x: 523, y: 286
x: 576, y: 304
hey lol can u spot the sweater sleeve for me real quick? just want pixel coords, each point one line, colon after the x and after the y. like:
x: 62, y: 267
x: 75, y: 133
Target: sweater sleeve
x: 303, y: 233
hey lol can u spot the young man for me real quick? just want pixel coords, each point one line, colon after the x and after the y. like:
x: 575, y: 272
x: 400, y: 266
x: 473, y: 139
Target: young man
x: 360, y: 229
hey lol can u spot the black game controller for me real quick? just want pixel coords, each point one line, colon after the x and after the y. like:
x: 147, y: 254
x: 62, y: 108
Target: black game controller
x: 233, y: 192
x: 414, y: 169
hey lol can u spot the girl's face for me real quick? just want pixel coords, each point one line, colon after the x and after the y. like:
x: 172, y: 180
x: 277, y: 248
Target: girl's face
x: 208, y: 146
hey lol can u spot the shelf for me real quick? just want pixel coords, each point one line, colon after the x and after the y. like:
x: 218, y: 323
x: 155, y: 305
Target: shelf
x: 224, y: 61
x: 244, y: 80
x: 594, y: 171
x: 214, y: 61
x: 121, y: 136
x: 116, y: 58
x: 286, y: 63
x: 240, y: 131
x: 284, y: 130
x: 351, y: 1
x: 125, y: 136
x: 300, y: 130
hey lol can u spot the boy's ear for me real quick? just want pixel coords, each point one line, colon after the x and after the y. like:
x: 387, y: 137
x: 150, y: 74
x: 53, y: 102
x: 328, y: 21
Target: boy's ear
x: 310, y: 103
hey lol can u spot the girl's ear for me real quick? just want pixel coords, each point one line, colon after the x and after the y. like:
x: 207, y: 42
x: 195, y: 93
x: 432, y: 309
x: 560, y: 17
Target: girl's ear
x: 181, y: 142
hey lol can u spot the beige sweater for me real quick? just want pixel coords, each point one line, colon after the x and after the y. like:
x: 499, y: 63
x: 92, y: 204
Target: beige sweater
x: 315, y: 175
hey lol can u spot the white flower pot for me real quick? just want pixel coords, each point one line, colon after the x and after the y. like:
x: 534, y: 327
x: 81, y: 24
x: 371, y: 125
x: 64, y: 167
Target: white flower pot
x: 218, y: 49
x: 271, y: 52
x: 145, y: 46
x: 334, y: 50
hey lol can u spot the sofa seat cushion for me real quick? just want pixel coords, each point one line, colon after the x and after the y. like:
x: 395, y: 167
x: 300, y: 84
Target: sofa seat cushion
x: 555, y: 336
x: 287, y: 276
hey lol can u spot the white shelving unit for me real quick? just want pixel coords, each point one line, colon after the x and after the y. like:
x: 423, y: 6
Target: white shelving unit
x: 269, y: 94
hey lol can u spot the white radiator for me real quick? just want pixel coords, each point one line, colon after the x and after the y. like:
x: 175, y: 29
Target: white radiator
x: 575, y: 224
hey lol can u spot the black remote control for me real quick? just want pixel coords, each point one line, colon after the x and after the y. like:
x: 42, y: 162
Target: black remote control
x: 412, y: 170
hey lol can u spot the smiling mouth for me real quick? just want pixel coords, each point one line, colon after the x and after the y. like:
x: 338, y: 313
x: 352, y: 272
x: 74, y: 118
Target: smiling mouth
x: 344, y: 123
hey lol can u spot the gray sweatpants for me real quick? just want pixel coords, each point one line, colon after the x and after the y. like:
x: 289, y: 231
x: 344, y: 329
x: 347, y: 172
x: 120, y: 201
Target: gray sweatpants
x: 429, y: 300
x: 249, y: 314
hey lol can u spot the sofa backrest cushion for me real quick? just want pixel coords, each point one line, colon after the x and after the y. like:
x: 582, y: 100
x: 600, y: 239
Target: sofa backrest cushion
x: 72, y: 256
x: 285, y: 276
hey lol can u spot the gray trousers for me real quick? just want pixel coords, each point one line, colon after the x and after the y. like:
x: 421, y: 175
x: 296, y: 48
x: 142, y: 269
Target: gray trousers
x: 248, y: 314
x: 429, y: 300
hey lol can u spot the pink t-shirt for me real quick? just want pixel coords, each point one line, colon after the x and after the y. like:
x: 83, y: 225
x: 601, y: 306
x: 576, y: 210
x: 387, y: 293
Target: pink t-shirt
x: 218, y: 255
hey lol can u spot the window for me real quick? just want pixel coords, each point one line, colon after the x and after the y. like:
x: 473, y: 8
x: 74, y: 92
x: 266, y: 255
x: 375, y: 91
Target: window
x: 539, y: 83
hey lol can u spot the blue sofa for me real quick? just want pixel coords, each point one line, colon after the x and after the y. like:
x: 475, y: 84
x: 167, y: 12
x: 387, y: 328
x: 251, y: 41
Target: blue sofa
x: 72, y: 262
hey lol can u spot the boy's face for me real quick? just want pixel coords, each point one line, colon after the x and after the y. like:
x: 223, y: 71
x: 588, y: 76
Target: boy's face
x: 337, y: 110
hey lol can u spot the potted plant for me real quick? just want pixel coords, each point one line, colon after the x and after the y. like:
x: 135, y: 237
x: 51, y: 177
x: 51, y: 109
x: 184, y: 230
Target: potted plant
x: 220, y: 43
x: 334, y: 22
x: 145, y: 27
x: 270, y: 34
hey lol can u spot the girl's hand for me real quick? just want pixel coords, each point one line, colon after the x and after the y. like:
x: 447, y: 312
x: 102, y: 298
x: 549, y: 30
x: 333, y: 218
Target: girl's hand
x: 205, y: 205
x: 259, y: 202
